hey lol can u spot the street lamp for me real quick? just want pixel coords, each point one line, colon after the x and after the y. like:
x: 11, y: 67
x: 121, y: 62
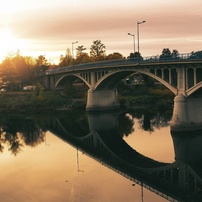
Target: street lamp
x: 133, y: 35
x: 73, y: 52
x: 138, y: 37
x: 73, y: 48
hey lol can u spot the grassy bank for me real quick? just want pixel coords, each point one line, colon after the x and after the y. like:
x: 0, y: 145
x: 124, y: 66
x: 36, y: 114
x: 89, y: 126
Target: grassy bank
x: 28, y: 101
x: 54, y: 100
x: 153, y: 96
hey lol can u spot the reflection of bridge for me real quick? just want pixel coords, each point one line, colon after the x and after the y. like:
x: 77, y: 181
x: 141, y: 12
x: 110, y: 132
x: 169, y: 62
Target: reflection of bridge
x: 181, y: 74
x: 175, y: 182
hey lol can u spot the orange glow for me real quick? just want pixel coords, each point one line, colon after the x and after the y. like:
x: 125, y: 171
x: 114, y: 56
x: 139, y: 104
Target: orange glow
x: 9, y: 43
x: 51, y: 27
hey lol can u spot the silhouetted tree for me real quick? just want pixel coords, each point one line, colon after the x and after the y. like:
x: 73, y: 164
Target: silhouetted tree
x: 66, y: 60
x: 135, y: 55
x: 42, y: 63
x: 83, y: 58
x: 167, y: 54
x: 197, y: 54
x: 175, y: 53
x: 80, y: 50
x: 114, y: 56
x: 98, y: 49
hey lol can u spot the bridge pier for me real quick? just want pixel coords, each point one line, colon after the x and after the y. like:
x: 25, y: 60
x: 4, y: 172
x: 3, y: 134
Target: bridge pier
x: 186, y: 114
x: 102, y: 100
x: 49, y: 82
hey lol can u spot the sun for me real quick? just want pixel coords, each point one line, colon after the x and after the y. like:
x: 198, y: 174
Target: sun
x: 9, y: 43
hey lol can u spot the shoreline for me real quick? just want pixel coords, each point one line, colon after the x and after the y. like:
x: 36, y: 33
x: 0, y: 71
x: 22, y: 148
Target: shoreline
x: 55, y: 101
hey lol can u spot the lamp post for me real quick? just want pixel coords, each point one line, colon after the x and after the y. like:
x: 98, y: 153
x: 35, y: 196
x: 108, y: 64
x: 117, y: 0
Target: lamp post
x: 138, y: 37
x: 133, y: 35
x: 73, y: 51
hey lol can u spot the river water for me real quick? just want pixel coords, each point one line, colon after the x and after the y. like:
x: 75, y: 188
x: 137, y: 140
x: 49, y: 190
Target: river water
x: 92, y: 157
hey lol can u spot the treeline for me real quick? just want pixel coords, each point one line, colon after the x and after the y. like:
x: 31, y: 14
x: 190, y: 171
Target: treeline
x: 17, y: 71
x: 97, y: 53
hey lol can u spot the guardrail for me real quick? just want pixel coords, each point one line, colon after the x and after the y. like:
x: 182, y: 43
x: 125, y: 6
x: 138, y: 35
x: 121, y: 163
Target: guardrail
x: 136, y: 60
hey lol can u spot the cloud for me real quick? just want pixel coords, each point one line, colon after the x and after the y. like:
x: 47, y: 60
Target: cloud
x: 54, y: 27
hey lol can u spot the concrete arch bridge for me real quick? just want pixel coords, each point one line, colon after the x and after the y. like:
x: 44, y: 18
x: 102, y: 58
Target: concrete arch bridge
x: 181, y: 74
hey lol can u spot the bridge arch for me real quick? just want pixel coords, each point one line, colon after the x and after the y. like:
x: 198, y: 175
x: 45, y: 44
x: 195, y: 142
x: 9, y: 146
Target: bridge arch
x: 111, y: 79
x: 198, y: 75
x: 190, y: 77
x: 194, y: 88
x: 166, y: 84
x: 71, y: 75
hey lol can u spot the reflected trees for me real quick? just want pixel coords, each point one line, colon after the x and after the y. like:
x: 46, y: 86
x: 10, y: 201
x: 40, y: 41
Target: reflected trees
x: 151, y: 119
x: 17, y: 132
x: 126, y: 123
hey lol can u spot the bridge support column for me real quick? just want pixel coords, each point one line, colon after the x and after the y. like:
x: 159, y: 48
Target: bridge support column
x: 46, y: 82
x: 52, y: 83
x: 186, y: 114
x: 102, y: 100
x: 49, y: 82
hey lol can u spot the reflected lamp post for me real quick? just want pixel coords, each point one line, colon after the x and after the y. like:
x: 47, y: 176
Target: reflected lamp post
x: 133, y: 35
x: 138, y: 37
x: 73, y: 50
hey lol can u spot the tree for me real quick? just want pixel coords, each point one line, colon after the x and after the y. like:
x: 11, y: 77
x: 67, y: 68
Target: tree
x: 31, y: 68
x: 15, y: 71
x: 21, y: 69
x: 197, y: 54
x: 135, y: 55
x: 166, y: 54
x: 7, y: 73
x: 175, y: 53
x: 41, y: 61
x: 82, y: 58
x: 66, y: 60
x: 114, y: 56
x: 41, y: 64
x: 97, y: 49
x: 80, y: 50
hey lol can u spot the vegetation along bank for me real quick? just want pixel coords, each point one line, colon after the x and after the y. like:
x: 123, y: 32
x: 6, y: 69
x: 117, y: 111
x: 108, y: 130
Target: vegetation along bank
x: 130, y: 96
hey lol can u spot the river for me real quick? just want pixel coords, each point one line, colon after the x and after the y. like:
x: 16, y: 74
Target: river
x: 122, y: 156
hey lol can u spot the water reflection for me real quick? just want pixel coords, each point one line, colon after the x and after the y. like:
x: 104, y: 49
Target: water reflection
x: 15, y: 132
x: 100, y: 136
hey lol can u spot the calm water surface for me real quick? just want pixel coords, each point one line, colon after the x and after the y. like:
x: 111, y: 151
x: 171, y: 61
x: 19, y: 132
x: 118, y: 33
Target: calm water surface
x: 78, y: 157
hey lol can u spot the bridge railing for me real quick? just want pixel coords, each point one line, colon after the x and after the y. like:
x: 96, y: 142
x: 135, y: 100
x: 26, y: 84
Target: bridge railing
x: 136, y: 60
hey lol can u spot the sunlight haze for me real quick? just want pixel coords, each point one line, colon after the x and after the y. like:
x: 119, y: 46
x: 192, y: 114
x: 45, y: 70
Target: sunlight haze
x: 49, y: 28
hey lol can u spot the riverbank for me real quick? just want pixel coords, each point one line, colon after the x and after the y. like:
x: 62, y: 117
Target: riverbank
x: 21, y: 102
x: 28, y: 102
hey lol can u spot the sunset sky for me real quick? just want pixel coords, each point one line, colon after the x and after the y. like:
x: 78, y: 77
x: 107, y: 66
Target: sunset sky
x: 46, y: 27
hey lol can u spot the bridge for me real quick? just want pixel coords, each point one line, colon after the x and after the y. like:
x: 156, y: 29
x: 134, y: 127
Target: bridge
x: 177, y: 181
x: 181, y: 74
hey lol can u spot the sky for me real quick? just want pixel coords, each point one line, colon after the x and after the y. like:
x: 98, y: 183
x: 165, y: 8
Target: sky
x: 47, y: 27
